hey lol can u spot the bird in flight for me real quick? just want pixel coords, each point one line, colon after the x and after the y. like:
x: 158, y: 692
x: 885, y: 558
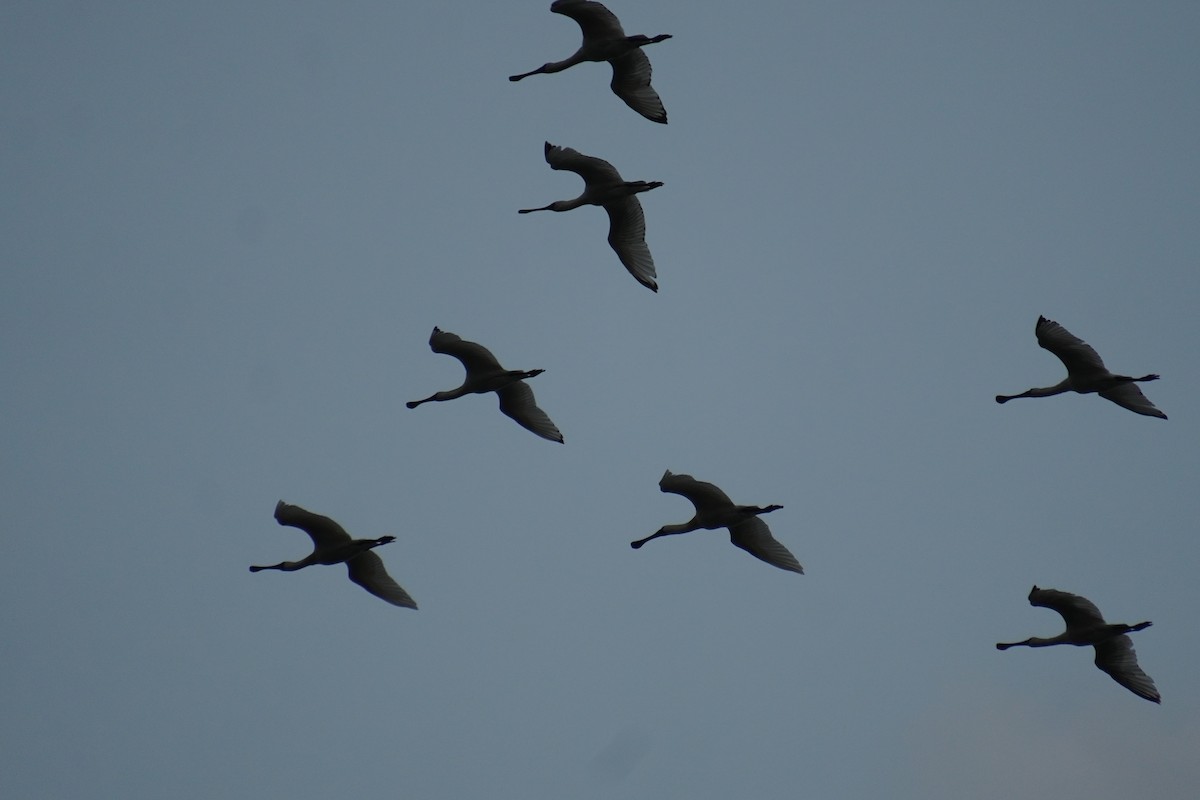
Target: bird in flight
x: 484, y: 374
x: 604, y: 40
x: 715, y: 510
x: 1086, y: 373
x: 603, y: 186
x: 1086, y: 626
x: 332, y: 545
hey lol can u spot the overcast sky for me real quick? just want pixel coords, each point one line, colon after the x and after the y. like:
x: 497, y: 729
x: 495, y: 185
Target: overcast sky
x: 227, y: 230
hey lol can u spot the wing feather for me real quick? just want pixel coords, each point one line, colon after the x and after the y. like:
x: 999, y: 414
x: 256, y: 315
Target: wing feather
x: 704, y: 496
x: 755, y: 538
x: 1117, y: 657
x: 627, y: 237
x: 474, y: 357
x: 367, y: 570
x: 595, y: 20
x: 593, y: 170
x: 1129, y: 395
x: 1078, y: 612
x: 1077, y: 355
x: 516, y: 401
x: 324, y: 532
x: 631, y: 83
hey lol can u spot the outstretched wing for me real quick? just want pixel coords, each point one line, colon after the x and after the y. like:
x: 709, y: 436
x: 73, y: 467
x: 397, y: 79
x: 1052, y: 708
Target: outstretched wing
x: 590, y: 168
x: 1116, y: 657
x: 474, y: 357
x: 631, y: 83
x: 755, y: 538
x: 1077, y: 355
x: 627, y: 237
x: 597, y: 22
x: 704, y: 496
x: 324, y: 532
x: 1128, y: 395
x: 367, y: 570
x: 516, y: 401
x: 1076, y: 611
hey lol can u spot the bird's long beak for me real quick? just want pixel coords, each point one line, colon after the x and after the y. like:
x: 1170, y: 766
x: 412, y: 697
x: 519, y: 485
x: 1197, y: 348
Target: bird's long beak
x: 528, y: 210
x: 537, y: 71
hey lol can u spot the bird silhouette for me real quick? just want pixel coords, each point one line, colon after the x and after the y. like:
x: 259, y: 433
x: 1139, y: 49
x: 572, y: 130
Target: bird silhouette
x: 605, y: 187
x: 484, y: 374
x: 1086, y: 373
x: 604, y: 40
x: 715, y: 510
x: 332, y: 545
x: 1086, y: 626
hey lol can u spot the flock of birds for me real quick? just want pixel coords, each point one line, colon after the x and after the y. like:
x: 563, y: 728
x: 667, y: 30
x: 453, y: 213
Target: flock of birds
x: 605, y: 40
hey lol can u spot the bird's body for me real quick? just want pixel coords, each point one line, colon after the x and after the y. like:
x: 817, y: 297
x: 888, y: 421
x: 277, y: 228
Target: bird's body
x: 1086, y: 373
x: 605, y: 187
x: 715, y: 510
x: 1086, y: 626
x: 484, y: 374
x: 604, y: 40
x: 332, y: 545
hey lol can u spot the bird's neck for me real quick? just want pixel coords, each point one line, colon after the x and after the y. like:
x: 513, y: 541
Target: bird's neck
x: 1049, y: 391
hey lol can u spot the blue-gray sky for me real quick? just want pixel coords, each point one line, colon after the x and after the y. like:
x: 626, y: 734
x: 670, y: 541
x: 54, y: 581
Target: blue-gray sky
x: 228, y: 229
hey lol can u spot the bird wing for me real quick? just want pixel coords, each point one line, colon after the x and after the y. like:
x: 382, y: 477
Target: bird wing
x: 324, y: 532
x: 704, y: 496
x: 596, y: 21
x: 755, y: 538
x: 627, y: 237
x: 367, y: 570
x: 1128, y: 395
x: 516, y: 401
x: 591, y: 169
x: 1116, y: 657
x: 474, y: 357
x: 631, y: 83
x: 1078, y: 612
x: 1077, y: 355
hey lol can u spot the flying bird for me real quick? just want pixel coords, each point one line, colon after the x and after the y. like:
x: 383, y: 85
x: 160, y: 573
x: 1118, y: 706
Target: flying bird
x: 605, y: 187
x: 605, y: 40
x: 332, y: 545
x: 484, y: 374
x: 1086, y: 626
x: 1086, y: 373
x: 715, y: 510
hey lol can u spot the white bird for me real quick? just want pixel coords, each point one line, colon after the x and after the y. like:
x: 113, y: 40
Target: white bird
x: 605, y: 40
x: 1086, y: 626
x: 332, y: 545
x: 484, y: 374
x: 1086, y: 372
x: 715, y: 510
x: 605, y: 187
